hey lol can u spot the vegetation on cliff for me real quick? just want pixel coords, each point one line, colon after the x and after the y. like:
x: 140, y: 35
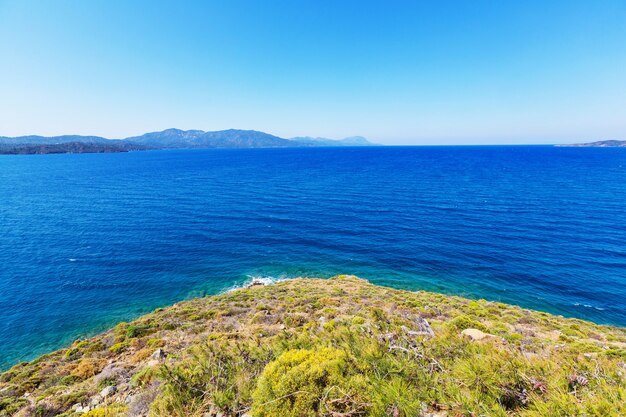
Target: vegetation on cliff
x: 340, y: 347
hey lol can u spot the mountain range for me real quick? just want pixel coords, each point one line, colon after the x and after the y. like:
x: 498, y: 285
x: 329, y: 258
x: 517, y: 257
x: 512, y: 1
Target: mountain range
x: 166, y: 139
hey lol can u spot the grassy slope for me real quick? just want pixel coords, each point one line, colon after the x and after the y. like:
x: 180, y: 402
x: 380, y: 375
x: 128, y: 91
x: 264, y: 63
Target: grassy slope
x: 340, y: 347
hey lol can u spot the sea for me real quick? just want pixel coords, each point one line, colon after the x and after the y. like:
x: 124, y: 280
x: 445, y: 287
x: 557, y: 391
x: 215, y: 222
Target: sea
x: 89, y: 240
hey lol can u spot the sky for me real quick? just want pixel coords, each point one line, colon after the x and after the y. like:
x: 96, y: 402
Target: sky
x: 414, y: 72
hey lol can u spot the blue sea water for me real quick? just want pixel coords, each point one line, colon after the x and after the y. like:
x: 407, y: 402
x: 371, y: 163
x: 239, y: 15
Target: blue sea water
x: 89, y: 240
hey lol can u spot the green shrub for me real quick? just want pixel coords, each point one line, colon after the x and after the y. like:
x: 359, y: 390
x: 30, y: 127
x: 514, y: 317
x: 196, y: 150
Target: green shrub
x: 357, y: 321
x: 169, y: 326
x: 143, y: 377
x: 113, y: 410
x: 10, y: 405
x: 155, y: 343
x: 69, y: 380
x: 138, y: 330
x: 221, y: 374
x: 378, y: 314
x: 95, y: 347
x: 118, y: 347
x: 303, y: 383
x: 463, y: 322
x: 616, y: 353
x: 330, y: 326
x: 72, y: 398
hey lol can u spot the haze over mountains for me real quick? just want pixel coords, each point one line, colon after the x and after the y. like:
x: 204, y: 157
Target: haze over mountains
x: 350, y: 141
x: 166, y: 139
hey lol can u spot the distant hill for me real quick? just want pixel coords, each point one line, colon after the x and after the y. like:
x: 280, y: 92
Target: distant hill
x: 51, y: 140
x: 599, y: 144
x: 350, y: 141
x: 232, y: 138
x: 166, y: 139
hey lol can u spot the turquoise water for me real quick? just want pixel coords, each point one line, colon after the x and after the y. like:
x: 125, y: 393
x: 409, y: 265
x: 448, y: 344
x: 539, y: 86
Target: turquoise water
x: 89, y: 240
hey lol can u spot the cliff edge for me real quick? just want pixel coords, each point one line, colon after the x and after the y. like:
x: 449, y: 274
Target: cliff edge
x: 340, y: 347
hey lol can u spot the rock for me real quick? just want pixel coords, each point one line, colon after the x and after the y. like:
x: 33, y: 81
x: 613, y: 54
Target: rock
x: 110, y: 372
x: 139, y: 403
x: 529, y: 355
x: 108, y: 391
x: 213, y: 412
x: 590, y: 355
x: 387, y: 337
x: 476, y: 334
x: 258, y: 282
x: 159, y: 355
x: 424, y: 329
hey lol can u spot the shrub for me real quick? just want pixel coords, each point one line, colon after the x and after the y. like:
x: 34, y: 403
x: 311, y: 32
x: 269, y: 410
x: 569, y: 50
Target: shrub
x: 114, y: 410
x: 303, y: 383
x: 463, y: 322
x: 330, y: 326
x: 378, y: 314
x: 68, y: 400
x: 69, y: 380
x: 141, y: 355
x: 143, y: 377
x: 357, y: 321
x: 10, y: 405
x: 88, y: 368
x: 138, y: 330
x: 118, y: 347
x: 221, y: 374
x: 155, y: 343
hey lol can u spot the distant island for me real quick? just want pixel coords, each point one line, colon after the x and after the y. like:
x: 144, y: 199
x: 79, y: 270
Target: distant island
x: 599, y: 144
x: 166, y: 139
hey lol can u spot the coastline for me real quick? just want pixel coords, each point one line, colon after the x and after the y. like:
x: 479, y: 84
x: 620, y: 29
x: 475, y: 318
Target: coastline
x: 252, y: 280
x: 131, y: 352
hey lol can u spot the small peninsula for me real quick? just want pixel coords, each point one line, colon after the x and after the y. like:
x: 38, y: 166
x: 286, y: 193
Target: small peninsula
x: 339, y: 347
x: 598, y: 144
x: 69, y: 147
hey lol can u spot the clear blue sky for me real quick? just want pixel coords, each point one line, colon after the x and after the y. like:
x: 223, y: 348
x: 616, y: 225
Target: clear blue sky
x: 430, y: 72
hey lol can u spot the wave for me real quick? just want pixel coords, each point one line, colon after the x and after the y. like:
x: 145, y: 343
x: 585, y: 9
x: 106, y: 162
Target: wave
x: 253, y: 280
x: 588, y: 306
